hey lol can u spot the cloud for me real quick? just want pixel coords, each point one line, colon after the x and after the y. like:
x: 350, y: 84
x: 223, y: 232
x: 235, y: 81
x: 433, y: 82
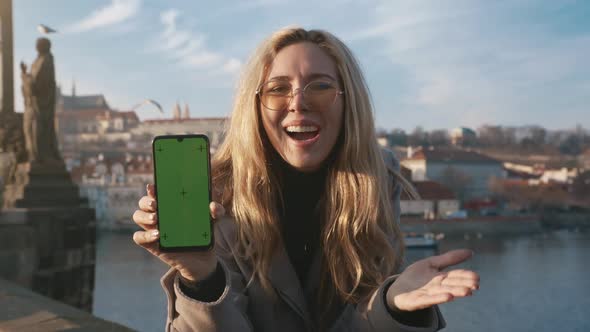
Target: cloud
x: 232, y: 66
x: 190, y: 49
x: 480, y: 61
x: 116, y: 12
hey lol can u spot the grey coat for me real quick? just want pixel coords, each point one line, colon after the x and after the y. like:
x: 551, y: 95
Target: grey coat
x: 252, y: 309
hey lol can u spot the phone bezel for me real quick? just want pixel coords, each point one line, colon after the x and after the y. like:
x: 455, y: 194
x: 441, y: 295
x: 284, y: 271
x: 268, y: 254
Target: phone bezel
x: 212, y: 237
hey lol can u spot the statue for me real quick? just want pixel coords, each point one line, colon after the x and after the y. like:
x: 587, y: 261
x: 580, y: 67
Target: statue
x: 38, y: 88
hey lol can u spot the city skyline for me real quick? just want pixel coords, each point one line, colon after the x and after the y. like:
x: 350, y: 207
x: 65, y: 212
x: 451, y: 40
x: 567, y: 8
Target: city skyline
x: 426, y: 64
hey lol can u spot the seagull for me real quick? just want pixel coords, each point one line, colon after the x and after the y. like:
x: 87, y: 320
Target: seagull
x: 45, y: 29
x: 148, y: 101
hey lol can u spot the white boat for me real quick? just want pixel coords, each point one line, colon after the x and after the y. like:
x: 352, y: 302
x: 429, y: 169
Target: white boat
x: 422, y: 240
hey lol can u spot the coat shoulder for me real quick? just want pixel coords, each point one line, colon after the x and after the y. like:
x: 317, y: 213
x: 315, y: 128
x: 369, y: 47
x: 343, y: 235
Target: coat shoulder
x: 390, y: 159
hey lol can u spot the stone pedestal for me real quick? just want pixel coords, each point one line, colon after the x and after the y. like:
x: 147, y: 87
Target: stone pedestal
x: 48, y: 234
x: 42, y: 185
x: 51, y: 251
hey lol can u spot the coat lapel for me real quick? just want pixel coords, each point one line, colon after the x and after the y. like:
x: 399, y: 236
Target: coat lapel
x: 284, y: 279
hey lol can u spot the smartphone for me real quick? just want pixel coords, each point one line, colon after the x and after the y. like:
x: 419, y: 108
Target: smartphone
x: 182, y: 174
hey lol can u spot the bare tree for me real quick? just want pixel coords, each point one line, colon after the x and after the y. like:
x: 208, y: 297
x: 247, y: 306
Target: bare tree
x: 439, y: 138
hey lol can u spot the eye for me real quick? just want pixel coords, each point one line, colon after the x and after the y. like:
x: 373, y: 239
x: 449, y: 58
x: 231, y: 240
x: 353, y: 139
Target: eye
x: 277, y: 89
x: 320, y: 86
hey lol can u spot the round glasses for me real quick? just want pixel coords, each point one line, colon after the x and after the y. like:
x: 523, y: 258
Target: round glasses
x: 317, y: 95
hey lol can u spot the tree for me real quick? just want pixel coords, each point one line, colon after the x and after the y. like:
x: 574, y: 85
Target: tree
x: 398, y: 137
x: 490, y: 136
x: 538, y: 136
x: 439, y: 138
x: 418, y: 137
x: 571, y: 145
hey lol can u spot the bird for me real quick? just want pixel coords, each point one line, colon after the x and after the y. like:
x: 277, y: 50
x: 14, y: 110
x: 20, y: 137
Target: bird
x: 148, y: 101
x: 42, y: 28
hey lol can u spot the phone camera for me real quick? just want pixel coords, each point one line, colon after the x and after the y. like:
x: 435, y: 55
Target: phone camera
x: 180, y: 139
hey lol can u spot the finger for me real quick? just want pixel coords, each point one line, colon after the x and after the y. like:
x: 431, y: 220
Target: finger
x: 470, y: 283
x: 151, y: 190
x: 456, y: 291
x: 145, y: 220
x: 146, y: 239
x: 461, y: 273
x: 450, y: 258
x: 147, y: 204
x: 217, y: 210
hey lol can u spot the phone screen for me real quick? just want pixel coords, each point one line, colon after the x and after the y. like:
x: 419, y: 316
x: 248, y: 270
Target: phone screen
x: 183, y: 193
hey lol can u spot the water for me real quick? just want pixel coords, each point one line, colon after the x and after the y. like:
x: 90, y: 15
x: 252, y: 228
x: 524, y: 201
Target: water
x: 537, y: 283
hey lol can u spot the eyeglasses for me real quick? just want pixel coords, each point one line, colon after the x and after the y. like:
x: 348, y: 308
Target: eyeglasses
x: 317, y: 95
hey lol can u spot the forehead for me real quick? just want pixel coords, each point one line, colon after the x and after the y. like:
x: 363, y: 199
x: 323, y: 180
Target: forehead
x: 301, y: 60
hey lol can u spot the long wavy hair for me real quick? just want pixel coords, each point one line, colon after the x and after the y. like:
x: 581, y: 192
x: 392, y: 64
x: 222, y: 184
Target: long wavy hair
x: 357, y: 213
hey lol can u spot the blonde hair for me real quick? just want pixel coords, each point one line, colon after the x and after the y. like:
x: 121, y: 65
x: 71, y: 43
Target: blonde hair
x: 358, y: 216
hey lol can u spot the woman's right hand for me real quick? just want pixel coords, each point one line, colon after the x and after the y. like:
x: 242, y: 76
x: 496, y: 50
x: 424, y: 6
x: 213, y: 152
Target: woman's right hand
x: 194, y: 266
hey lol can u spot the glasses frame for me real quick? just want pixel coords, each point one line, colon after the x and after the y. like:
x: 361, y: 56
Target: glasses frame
x: 294, y: 92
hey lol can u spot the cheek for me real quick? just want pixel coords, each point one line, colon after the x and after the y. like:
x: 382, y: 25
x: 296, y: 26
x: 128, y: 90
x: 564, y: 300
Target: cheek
x: 271, y: 124
x: 337, y: 118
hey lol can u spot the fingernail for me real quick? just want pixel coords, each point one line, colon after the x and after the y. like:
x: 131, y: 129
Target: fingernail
x: 155, y: 234
x: 152, y: 216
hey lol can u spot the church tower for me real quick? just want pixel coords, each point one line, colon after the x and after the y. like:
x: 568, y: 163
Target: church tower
x: 176, y: 112
x: 186, y: 115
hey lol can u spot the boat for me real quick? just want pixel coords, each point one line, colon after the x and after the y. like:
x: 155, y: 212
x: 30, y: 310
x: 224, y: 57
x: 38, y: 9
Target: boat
x: 422, y: 240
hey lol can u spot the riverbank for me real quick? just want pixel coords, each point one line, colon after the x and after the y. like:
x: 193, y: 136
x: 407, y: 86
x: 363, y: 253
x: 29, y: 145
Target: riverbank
x: 497, y: 225
x: 476, y: 226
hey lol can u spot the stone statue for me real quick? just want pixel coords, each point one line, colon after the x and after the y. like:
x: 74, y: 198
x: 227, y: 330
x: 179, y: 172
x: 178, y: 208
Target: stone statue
x: 38, y: 88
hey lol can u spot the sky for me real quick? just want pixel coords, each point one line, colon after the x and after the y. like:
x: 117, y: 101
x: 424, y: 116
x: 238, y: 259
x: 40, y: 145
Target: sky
x: 433, y: 64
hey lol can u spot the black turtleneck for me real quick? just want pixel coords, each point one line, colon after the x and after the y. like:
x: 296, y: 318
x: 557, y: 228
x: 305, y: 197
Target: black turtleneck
x: 300, y: 215
x: 300, y: 228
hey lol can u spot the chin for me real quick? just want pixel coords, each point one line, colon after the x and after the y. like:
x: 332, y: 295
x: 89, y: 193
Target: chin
x: 304, y: 165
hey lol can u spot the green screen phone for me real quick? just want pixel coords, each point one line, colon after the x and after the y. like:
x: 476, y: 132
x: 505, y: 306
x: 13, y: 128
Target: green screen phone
x: 183, y: 192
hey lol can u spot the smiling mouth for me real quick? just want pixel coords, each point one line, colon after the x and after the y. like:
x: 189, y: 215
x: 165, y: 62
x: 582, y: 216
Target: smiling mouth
x: 302, y: 133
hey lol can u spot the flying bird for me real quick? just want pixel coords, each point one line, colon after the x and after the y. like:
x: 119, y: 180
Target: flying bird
x: 42, y: 28
x: 148, y: 101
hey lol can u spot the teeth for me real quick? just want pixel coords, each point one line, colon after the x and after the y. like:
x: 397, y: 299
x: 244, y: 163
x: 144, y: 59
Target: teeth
x: 301, y: 129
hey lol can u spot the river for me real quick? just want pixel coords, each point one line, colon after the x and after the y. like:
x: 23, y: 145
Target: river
x: 536, y: 283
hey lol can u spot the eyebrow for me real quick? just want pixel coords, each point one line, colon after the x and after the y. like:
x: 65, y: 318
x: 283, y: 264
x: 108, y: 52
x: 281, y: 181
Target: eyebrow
x: 310, y: 77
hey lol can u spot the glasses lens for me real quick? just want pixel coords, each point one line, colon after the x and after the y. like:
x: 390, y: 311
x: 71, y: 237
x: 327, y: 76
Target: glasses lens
x: 275, y: 95
x: 320, y: 95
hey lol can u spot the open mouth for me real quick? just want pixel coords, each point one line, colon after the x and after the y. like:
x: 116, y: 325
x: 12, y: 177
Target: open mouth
x: 302, y: 133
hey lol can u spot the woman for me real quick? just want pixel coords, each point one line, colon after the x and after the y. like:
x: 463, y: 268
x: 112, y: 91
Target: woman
x: 313, y: 241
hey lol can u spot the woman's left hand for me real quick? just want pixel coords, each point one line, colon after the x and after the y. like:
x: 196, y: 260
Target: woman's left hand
x: 422, y: 284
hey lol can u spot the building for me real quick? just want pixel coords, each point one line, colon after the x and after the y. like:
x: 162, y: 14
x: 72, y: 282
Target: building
x: 89, y: 118
x: 562, y: 175
x: 114, y: 205
x: 463, y: 136
x: 584, y: 159
x: 524, y: 172
x: 467, y: 173
x: 113, y: 186
x: 214, y: 128
x: 435, y: 201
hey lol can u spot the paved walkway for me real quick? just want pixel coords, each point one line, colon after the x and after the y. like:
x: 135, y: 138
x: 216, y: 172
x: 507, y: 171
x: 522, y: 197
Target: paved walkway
x: 24, y: 310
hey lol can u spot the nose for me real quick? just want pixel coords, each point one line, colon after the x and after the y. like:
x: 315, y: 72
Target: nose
x: 297, y: 104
